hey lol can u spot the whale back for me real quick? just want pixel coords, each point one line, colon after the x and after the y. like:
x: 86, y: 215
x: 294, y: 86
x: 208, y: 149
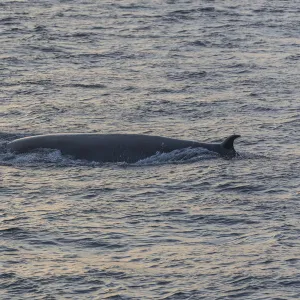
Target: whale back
x: 115, y: 147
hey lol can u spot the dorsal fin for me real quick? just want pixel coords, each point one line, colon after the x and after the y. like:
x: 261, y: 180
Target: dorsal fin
x: 228, y: 143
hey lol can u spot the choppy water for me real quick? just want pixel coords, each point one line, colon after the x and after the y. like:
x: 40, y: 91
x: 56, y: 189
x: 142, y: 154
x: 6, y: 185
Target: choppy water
x: 184, y: 225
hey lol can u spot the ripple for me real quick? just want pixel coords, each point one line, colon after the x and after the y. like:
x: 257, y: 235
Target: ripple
x: 15, y: 233
x: 180, y: 225
x: 185, y: 75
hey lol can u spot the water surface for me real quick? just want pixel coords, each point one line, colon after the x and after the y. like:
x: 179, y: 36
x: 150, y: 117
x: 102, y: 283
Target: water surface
x: 184, y: 225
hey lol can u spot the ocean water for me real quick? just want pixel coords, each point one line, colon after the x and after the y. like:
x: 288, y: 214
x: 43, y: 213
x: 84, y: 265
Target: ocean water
x: 184, y: 225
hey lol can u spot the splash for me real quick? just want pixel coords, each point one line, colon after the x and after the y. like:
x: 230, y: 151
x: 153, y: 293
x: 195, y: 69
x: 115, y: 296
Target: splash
x: 187, y: 155
x: 55, y: 157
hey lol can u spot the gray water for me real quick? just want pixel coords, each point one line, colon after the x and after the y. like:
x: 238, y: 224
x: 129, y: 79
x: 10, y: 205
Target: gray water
x: 183, y: 225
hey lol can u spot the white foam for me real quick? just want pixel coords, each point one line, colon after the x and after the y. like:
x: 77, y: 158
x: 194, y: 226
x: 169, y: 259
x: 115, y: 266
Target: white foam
x: 186, y: 155
x: 50, y: 156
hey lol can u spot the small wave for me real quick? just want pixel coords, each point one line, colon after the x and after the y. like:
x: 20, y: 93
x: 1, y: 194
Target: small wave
x: 130, y: 6
x: 183, y: 13
x: 14, y: 232
x: 87, y: 242
x: 105, y: 55
x: 8, y: 21
x: 88, y: 85
x: 198, y: 43
x: 247, y: 155
x: 293, y: 57
x: 179, y: 76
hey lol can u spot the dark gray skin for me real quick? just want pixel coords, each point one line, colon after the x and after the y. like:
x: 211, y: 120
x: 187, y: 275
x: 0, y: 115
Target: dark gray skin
x: 115, y: 147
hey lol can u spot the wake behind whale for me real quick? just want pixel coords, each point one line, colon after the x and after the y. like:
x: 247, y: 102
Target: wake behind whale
x: 128, y: 148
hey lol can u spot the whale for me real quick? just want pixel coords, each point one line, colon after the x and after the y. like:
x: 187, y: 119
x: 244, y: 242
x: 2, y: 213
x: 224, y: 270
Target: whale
x: 128, y: 148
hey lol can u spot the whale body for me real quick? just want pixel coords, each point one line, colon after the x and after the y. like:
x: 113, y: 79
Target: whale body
x: 115, y: 147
